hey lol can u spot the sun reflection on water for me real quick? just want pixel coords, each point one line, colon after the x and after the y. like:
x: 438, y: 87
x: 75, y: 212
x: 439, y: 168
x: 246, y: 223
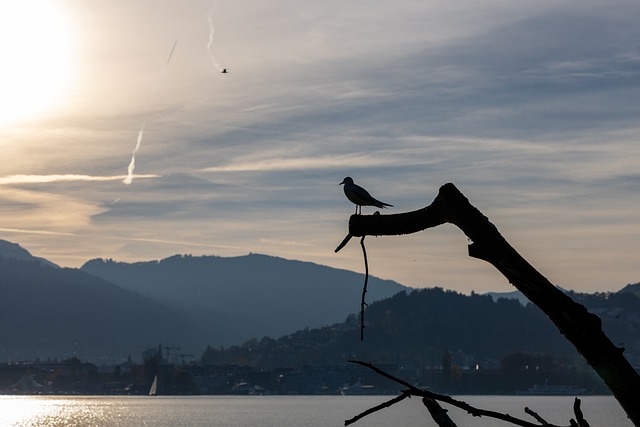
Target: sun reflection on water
x: 27, y: 412
x: 33, y: 411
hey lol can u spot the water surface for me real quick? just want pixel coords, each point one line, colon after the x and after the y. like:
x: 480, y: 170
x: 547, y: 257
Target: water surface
x: 282, y: 411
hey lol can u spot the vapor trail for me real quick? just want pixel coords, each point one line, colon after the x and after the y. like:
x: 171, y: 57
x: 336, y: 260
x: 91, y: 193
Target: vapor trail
x: 212, y: 31
x: 171, y: 53
x: 132, y: 164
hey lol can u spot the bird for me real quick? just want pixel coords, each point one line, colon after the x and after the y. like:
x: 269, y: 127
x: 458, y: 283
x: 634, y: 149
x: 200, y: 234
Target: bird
x: 359, y: 196
x: 224, y: 71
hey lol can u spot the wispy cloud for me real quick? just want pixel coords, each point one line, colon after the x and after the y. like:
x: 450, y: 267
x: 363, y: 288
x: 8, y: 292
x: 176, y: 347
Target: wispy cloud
x: 361, y: 160
x: 43, y: 232
x: 44, y: 179
x: 191, y: 243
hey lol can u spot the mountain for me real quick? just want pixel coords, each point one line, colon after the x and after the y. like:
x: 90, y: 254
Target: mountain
x: 412, y: 326
x: 249, y: 296
x: 633, y: 288
x: 517, y: 295
x: 418, y: 327
x: 11, y: 250
x: 183, y: 301
x: 58, y: 312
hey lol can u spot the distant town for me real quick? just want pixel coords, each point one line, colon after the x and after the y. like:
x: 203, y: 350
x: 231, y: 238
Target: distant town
x: 174, y: 374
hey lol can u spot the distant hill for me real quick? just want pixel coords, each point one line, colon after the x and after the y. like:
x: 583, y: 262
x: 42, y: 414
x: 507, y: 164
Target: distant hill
x: 415, y: 326
x: 421, y: 325
x: 11, y: 250
x: 516, y: 295
x: 633, y: 288
x: 57, y: 312
x: 250, y: 296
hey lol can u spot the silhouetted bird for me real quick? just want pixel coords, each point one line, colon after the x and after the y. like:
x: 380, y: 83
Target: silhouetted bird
x: 359, y: 196
x: 224, y: 71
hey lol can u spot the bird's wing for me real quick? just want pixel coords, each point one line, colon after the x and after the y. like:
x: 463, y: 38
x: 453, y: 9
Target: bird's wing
x: 361, y: 194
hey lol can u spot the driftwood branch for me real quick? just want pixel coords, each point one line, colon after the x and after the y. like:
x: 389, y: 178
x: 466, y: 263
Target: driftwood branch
x: 377, y: 408
x: 578, y: 412
x: 426, y: 394
x: 438, y: 413
x: 581, y: 328
x: 343, y: 243
x: 535, y: 415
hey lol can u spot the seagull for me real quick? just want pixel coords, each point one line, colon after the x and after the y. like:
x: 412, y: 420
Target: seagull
x: 359, y: 196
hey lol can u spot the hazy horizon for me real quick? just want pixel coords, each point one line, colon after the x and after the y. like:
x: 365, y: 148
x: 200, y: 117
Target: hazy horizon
x: 122, y: 139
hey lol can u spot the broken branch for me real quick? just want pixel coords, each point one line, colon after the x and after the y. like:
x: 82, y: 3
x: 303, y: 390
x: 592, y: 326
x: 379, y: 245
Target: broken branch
x: 580, y: 327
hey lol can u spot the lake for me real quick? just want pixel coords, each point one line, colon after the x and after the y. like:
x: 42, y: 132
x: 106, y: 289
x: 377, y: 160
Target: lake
x: 282, y: 411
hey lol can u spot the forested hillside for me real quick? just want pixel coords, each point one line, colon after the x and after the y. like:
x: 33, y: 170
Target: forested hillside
x: 421, y: 325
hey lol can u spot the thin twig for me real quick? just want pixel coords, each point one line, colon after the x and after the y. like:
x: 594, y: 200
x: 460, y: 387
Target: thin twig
x: 579, y: 416
x: 363, y: 303
x: 535, y: 415
x: 343, y: 243
x: 384, y: 405
x: 476, y: 412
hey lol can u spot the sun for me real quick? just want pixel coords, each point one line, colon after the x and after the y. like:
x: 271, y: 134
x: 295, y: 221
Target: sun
x: 35, y: 53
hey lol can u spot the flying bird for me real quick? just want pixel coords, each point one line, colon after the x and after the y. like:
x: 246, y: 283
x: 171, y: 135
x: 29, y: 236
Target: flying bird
x: 359, y: 196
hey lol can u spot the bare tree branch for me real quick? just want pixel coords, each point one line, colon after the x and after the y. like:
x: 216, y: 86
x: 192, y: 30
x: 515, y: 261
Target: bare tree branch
x: 476, y: 412
x: 535, y: 415
x: 581, y: 328
x: 343, y: 243
x: 578, y: 412
x: 438, y: 413
x: 377, y: 408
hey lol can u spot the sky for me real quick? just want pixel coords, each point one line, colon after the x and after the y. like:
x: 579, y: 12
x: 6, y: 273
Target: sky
x: 530, y: 108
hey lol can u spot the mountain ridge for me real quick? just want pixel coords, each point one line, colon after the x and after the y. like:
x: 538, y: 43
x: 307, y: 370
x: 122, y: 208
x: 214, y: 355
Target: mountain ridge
x: 58, y: 312
x: 15, y: 251
x: 61, y: 305
x: 262, y: 292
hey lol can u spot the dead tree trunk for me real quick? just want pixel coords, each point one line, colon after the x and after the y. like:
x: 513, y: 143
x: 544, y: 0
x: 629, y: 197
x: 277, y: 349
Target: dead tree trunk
x: 581, y: 328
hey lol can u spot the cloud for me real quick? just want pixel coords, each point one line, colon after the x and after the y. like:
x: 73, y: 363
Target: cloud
x: 191, y: 244
x: 44, y: 232
x: 531, y: 109
x: 45, y: 179
x: 351, y: 160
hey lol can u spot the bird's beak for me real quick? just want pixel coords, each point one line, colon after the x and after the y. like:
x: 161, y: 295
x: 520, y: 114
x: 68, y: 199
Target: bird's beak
x: 341, y: 182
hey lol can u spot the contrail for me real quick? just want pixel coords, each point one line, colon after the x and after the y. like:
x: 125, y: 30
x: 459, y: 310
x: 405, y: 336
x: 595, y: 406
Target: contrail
x: 172, y: 49
x: 132, y: 164
x: 212, y: 31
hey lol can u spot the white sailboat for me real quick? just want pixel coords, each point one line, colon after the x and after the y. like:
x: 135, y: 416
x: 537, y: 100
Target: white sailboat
x: 153, y: 391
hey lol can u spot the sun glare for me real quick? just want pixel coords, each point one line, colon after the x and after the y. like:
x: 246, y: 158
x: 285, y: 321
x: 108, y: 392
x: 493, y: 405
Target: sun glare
x: 35, y: 55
